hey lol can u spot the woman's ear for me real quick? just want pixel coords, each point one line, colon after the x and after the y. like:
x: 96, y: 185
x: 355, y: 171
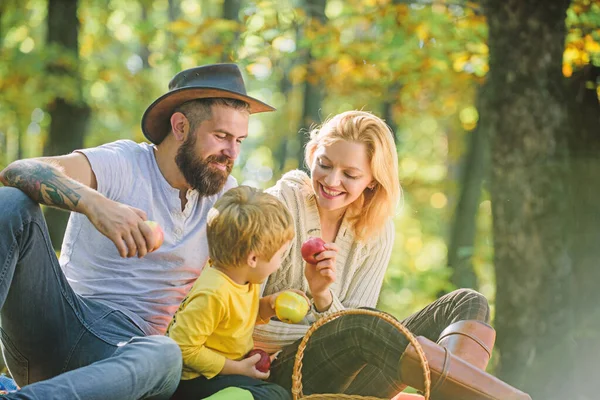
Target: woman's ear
x: 371, y: 185
x: 180, y: 126
x: 252, y: 259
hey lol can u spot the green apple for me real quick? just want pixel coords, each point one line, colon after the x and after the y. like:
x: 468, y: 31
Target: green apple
x: 291, y: 307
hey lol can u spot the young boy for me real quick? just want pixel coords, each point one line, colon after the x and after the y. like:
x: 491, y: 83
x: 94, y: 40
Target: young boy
x: 248, y: 233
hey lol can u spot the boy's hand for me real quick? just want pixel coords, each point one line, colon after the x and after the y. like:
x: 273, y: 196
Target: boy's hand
x: 273, y: 297
x: 267, y: 304
x: 247, y: 367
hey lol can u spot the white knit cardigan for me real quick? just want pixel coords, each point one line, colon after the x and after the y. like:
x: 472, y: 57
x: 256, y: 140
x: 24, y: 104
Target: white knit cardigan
x: 360, y: 266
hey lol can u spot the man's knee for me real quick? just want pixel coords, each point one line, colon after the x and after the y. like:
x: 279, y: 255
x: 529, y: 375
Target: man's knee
x: 16, y: 206
x: 162, y: 359
x: 165, y: 352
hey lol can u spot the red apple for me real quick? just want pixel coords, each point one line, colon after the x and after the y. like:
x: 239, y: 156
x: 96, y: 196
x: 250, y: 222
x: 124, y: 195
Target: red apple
x: 311, y: 248
x: 291, y: 307
x: 157, y: 232
x: 264, y: 364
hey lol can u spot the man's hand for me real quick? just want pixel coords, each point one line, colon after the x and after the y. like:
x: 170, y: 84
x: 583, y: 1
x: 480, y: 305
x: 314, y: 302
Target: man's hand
x: 122, y: 224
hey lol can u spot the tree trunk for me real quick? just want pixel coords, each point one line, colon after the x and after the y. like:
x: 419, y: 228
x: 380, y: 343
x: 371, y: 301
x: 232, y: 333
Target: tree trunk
x: 3, y: 144
x: 3, y: 149
x: 285, y: 87
x: 523, y: 110
x: 231, y: 9
x: 173, y: 10
x: 3, y: 135
x: 313, y: 95
x: 2, y: 11
x: 231, y: 12
x: 171, y: 42
x: 584, y: 146
x: 388, y: 109
x: 464, y: 224
x: 393, y: 97
x: 69, y: 119
x: 144, y: 49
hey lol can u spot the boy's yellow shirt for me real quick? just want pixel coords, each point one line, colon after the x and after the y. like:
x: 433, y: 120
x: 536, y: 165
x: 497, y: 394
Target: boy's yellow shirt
x: 215, y: 321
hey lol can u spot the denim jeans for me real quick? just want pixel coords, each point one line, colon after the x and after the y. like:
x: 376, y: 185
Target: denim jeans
x: 59, y: 345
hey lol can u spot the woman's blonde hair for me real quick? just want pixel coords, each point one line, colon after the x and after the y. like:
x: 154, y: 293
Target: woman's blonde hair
x: 247, y: 220
x: 370, y: 211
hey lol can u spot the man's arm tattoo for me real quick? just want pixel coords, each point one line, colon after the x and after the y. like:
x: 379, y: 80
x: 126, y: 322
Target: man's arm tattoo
x: 44, y: 183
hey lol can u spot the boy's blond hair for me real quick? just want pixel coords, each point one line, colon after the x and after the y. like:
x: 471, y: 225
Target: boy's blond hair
x: 247, y: 220
x: 369, y: 212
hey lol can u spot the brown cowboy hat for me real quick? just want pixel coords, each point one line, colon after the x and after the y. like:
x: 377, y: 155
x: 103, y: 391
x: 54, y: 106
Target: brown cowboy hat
x: 208, y: 81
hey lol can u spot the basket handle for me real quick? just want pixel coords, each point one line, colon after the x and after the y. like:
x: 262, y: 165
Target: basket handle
x: 297, y: 372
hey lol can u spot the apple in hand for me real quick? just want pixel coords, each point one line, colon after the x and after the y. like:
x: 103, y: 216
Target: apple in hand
x: 157, y: 232
x: 291, y: 307
x: 264, y: 364
x: 311, y: 248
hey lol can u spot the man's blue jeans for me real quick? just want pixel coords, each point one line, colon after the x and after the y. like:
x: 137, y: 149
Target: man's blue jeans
x: 59, y: 345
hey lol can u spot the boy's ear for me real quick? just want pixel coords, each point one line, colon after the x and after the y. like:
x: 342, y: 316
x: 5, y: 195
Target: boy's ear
x: 252, y: 259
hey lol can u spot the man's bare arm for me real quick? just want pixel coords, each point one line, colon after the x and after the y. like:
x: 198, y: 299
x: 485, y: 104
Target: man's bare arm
x: 68, y: 182
x: 46, y: 183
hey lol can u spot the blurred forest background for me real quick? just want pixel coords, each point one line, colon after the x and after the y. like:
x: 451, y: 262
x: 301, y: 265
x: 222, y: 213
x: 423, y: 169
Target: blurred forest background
x: 494, y: 105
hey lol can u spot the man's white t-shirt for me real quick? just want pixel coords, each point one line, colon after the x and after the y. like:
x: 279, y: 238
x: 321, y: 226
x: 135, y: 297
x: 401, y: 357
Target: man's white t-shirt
x: 147, y: 289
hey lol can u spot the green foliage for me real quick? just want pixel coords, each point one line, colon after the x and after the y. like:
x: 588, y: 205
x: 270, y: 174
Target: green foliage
x: 583, y: 39
x: 422, y: 62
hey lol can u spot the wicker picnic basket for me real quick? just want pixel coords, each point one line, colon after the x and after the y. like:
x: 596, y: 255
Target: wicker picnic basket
x: 297, y: 371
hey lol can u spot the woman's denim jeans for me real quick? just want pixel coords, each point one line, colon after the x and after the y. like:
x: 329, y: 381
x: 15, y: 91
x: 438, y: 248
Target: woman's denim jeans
x: 59, y: 345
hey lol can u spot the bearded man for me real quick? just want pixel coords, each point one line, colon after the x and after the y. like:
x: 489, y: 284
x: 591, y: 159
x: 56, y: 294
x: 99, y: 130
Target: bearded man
x: 91, y: 324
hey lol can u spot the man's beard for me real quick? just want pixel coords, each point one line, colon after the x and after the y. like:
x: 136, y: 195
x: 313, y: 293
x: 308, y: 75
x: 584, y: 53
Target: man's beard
x: 199, y: 174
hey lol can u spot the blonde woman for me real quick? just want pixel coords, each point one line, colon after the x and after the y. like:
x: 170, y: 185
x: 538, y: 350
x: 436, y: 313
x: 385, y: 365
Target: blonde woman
x: 349, y: 200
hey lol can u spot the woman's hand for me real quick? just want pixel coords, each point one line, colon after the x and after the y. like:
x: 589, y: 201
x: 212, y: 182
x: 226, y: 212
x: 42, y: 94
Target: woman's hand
x: 322, y: 275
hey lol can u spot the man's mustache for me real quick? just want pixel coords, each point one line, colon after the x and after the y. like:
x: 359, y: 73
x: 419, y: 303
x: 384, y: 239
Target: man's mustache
x: 222, y: 159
